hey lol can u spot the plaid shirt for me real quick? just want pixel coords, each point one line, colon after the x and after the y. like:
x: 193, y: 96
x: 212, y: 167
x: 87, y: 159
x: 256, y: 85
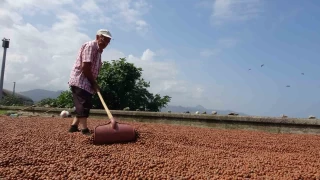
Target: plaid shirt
x: 89, y: 52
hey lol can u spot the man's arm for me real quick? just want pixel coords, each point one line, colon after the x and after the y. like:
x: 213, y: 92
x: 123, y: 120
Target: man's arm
x: 86, y: 69
x: 87, y: 58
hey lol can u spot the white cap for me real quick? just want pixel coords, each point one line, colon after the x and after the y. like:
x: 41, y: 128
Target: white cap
x: 104, y: 32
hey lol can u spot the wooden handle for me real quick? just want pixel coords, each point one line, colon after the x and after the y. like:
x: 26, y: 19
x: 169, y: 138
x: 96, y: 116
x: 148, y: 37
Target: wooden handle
x: 105, y: 106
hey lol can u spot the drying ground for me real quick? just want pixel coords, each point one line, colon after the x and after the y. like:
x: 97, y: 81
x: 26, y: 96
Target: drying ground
x: 41, y: 148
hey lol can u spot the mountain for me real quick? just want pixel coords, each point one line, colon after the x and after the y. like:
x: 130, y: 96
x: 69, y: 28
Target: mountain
x: 192, y: 110
x: 39, y: 94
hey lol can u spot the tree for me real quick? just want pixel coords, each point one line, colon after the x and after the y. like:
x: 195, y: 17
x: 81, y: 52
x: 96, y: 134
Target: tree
x: 48, y: 101
x: 121, y: 86
x: 11, y: 100
x: 156, y: 102
x: 64, y: 99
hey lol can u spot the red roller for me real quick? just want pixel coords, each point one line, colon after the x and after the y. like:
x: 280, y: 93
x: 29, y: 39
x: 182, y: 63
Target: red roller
x: 105, y: 134
x: 113, y: 131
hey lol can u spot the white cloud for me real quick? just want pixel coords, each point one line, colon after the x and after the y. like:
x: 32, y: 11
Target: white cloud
x: 90, y: 6
x: 234, y: 10
x: 112, y: 54
x: 125, y: 14
x: 142, y: 26
x: 67, y: 20
x: 41, y: 55
x: 147, y: 55
x: 28, y: 78
x: 8, y: 18
x: 163, y: 76
x: 17, y: 58
x: 32, y: 7
x: 37, y: 4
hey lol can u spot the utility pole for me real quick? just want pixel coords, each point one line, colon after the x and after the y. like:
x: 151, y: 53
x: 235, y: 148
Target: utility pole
x: 5, y: 45
x: 14, y: 88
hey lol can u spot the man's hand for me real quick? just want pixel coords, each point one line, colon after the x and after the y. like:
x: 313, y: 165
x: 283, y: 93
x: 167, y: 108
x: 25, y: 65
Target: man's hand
x: 96, y: 87
x: 113, y: 123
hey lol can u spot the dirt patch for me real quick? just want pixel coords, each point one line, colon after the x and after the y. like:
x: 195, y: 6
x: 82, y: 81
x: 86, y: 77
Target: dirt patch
x: 41, y: 148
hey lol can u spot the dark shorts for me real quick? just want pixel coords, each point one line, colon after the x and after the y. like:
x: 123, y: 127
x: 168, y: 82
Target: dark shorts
x: 82, y: 100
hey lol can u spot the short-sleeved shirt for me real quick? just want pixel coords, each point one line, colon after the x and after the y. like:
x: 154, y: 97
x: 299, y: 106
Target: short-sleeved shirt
x: 89, y: 52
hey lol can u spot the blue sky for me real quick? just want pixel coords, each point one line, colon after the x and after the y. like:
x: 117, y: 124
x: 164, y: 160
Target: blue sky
x: 200, y: 51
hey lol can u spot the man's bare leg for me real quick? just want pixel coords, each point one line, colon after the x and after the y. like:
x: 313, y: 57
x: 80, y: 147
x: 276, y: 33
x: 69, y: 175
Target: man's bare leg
x: 76, y: 121
x: 83, y: 123
x: 74, y: 125
x: 79, y: 121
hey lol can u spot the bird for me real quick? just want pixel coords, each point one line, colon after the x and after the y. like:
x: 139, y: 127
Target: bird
x: 302, y: 73
x: 288, y: 86
x: 262, y: 65
x: 249, y: 69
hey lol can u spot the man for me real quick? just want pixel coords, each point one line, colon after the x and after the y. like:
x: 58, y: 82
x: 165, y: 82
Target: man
x: 83, y: 78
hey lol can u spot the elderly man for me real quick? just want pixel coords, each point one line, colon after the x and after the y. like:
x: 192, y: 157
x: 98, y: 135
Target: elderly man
x: 83, y: 78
